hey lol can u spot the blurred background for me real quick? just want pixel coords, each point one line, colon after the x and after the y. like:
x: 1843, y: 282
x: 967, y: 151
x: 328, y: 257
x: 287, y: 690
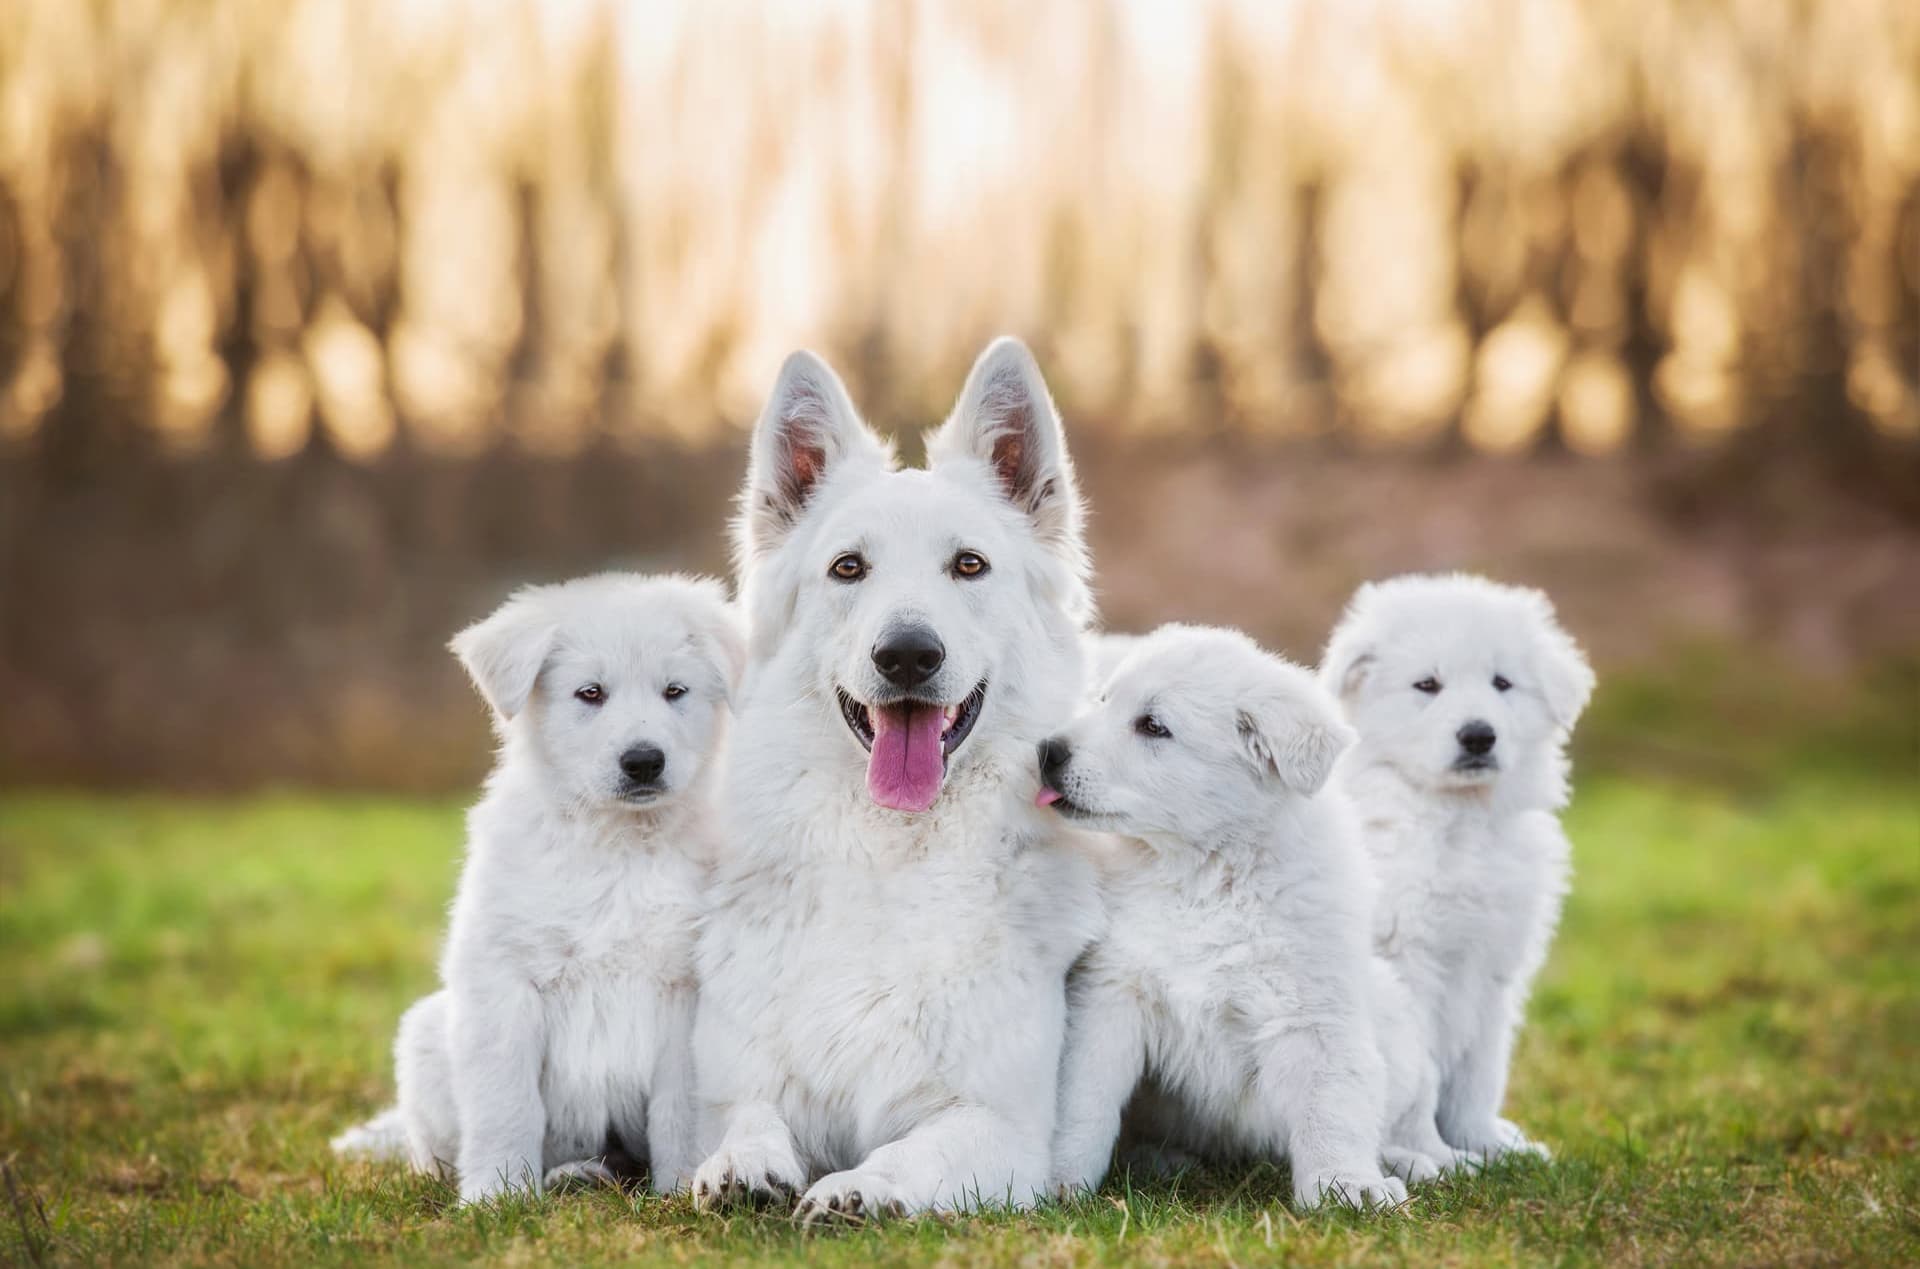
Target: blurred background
x: 324, y: 322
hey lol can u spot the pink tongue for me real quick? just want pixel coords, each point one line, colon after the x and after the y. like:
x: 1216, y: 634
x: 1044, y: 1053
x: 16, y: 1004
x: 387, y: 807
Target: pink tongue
x: 906, y: 767
x: 1046, y: 796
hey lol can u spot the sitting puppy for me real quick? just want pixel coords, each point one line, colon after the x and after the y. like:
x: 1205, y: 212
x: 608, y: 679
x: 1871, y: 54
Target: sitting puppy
x: 1232, y: 987
x: 565, y: 1021
x: 1463, y: 693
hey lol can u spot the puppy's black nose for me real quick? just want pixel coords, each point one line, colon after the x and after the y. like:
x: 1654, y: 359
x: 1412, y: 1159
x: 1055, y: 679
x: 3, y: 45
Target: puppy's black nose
x: 1053, y: 759
x: 1476, y: 737
x: 643, y: 763
x: 909, y: 656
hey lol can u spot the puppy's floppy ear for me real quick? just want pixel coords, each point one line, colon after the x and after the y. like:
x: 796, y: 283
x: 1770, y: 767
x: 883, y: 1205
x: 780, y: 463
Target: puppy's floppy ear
x: 1348, y: 674
x: 807, y: 430
x: 505, y: 653
x: 1005, y: 419
x: 1293, y: 730
x: 1566, y: 680
x: 725, y: 634
x: 1350, y: 654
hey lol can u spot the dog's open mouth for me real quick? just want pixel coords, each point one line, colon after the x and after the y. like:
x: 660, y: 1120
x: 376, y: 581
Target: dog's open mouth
x: 1475, y: 764
x: 908, y: 743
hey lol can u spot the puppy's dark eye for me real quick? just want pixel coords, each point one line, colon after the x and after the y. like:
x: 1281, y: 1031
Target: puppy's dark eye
x: 592, y: 694
x: 848, y: 566
x: 1501, y: 683
x: 969, y: 564
x: 1148, y: 725
x: 675, y: 691
x: 1429, y: 685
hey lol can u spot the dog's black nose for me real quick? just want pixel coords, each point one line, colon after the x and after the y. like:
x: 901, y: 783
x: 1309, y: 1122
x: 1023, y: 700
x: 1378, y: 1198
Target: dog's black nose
x: 1053, y: 759
x: 643, y: 763
x: 1476, y: 737
x: 909, y: 655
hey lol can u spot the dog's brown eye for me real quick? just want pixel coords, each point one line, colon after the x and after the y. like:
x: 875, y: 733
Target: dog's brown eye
x: 1429, y: 685
x: 1148, y: 725
x: 969, y: 564
x: 848, y: 567
x: 674, y: 691
x: 592, y: 694
x: 1500, y: 683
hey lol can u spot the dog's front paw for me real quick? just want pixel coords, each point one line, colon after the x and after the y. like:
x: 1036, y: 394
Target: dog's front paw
x: 1498, y: 1139
x: 1517, y: 1142
x: 1359, y: 1190
x: 488, y: 1184
x: 852, y: 1197
x: 747, y: 1177
x: 582, y: 1174
x: 1411, y: 1166
x: 380, y: 1138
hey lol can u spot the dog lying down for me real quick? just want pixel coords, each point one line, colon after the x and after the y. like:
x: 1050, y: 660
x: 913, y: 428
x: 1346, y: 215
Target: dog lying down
x: 567, y: 1011
x: 1232, y: 1000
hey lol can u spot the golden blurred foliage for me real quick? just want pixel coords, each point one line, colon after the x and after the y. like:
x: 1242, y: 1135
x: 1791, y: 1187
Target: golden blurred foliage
x: 325, y: 322
x: 273, y: 224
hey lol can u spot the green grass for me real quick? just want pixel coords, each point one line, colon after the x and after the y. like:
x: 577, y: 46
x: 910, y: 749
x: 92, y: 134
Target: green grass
x: 1725, y: 1050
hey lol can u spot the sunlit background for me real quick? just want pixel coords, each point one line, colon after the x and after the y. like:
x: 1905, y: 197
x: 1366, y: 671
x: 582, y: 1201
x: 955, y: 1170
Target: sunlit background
x: 322, y: 322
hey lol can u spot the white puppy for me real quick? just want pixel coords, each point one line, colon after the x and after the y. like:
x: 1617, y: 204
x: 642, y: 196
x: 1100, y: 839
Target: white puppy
x: 1463, y: 693
x: 1234, y: 977
x: 566, y: 1016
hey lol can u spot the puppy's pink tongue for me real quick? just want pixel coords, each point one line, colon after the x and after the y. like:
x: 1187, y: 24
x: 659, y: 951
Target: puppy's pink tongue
x: 906, y: 766
x: 1046, y: 796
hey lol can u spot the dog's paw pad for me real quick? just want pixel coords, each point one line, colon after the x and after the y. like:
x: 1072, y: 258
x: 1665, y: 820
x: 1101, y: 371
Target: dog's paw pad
x: 1361, y: 1191
x: 728, y: 1182
x: 850, y: 1198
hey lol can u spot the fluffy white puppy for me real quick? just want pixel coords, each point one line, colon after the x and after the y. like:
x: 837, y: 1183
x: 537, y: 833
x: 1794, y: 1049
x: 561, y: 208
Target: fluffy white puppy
x: 567, y: 1011
x: 1234, y: 979
x: 1463, y: 692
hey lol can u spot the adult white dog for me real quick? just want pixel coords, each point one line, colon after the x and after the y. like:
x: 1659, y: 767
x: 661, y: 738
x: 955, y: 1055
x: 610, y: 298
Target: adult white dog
x: 882, y: 973
x: 1463, y: 693
x: 567, y: 1010
x: 1234, y: 979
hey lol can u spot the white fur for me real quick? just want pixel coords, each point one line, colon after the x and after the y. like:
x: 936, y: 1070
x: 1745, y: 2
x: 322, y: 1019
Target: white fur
x: 1232, y: 984
x: 1472, y: 864
x: 882, y: 992
x: 1105, y: 650
x: 567, y: 1006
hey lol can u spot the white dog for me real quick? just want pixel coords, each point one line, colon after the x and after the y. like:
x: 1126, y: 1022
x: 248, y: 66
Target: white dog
x: 1234, y: 979
x: 567, y: 1011
x: 1463, y: 693
x: 882, y: 974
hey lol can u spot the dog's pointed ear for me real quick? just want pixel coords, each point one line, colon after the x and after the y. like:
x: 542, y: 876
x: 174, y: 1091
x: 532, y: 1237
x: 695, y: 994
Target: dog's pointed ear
x: 1005, y: 419
x: 1566, y: 680
x: 807, y: 431
x: 1293, y: 730
x: 505, y: 653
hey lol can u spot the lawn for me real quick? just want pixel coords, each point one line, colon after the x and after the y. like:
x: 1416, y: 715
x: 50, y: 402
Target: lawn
x: 1724, y: 1049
